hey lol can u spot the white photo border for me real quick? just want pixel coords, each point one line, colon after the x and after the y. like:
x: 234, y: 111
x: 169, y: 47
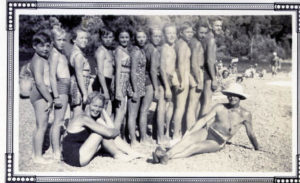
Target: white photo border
x: 13, y: 6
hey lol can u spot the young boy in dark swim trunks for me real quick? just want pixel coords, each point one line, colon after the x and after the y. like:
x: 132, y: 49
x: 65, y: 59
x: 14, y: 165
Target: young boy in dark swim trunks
x: 211, y: 135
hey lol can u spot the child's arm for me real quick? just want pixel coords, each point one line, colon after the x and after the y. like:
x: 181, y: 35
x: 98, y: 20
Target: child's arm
x: 181, y: 51
x: 197, y: 58
x: 100, y: 56
x: 53, y: 61
x: 134, y: 56
x: 163, y: 66
x: 107, y: 119
x: 211, y: 59
x: 154, y: 71
x: 118, y: 92
x: 78, y: 63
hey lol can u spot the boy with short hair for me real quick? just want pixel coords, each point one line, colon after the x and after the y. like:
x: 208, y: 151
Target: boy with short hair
x: 40, y: 96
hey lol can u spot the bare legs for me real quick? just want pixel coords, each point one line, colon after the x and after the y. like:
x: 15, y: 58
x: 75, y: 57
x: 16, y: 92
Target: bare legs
x: 59, y: 115
x: 145, y: 104
x: 161, y: 116
x: 89, y: 148
x: 194, y: 143
x: 133, y: 108
x: 207, y: 98
x: 181, y: 99
x: 42, y: 117
x: 116, y: 147
x: 120, y: 113
x: 194, y: 97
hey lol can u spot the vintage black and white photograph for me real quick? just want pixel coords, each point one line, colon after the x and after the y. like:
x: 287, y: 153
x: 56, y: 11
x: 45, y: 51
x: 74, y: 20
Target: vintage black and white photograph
x: 155, y: 93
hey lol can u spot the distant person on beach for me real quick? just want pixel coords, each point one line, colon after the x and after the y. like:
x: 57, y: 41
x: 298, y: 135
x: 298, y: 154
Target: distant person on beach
x: 60, y: 84
x: 40, y: 96
x: 275, y: 64
x: 92, y: 130
x: 209, y: 135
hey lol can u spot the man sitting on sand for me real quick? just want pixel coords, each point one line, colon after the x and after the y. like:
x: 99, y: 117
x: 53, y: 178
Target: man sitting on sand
x: 209, y: 135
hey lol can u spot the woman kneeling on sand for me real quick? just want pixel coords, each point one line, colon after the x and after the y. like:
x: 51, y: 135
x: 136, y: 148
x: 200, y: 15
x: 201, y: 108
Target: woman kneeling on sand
x: 87, y: 132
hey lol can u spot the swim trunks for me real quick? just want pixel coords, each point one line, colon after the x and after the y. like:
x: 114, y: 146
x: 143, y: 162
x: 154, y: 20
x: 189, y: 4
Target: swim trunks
x: 63, y: 86
x: 217, y: 136
x: 35, y: 94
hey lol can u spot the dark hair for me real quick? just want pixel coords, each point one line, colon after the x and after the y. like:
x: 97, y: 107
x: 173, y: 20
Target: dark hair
x: 105, y: 31
x: 140, y: 29
x: 123, y: 29
x: 239, y: 78
x: 41, y: 37
x: 202, y: 23
x: 225, y: 71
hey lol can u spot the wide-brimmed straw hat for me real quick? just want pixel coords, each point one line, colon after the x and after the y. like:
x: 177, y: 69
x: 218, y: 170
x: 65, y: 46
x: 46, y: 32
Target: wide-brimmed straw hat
x: 235, y: 89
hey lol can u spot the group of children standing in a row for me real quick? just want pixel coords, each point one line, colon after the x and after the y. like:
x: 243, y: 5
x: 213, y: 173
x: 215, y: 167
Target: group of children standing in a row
x: 173, y: 65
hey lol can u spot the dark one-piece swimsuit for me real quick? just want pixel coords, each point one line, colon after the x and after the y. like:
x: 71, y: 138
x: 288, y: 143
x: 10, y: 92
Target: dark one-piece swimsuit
x: 71, y: 145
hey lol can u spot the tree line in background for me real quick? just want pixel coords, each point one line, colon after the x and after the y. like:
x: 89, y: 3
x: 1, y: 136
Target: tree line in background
x: 249, y: 38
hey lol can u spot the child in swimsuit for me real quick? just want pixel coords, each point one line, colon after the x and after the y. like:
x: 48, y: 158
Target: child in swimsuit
x: 153, y: 86
x: 123, y: 69
x: 80, y: 79
x: 40, y: 96
x: 138, y: 82
x: 88, y: 132
x: 105, y: 65
x: 60, y: 84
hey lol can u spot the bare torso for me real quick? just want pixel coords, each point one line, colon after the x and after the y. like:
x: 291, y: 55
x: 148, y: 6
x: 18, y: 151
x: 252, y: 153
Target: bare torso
x: 62, y: 65
x: 196, y: 45
x: 170, y: 58
x: 229, y: 120
x: 183, y: 47
x: 108, y: 62
x: 46, y: 68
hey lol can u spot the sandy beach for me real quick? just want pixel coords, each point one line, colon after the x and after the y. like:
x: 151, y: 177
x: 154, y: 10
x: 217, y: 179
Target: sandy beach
x: 270, y: 102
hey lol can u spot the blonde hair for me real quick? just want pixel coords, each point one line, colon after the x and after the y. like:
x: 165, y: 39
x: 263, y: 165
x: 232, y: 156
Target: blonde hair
x: 56, y: 30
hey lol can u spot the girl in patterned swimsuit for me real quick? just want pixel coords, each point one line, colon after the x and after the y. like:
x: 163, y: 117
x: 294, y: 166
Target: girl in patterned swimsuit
x: 138, y: 81
x: 81, y: 68
x: 123, y: 64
